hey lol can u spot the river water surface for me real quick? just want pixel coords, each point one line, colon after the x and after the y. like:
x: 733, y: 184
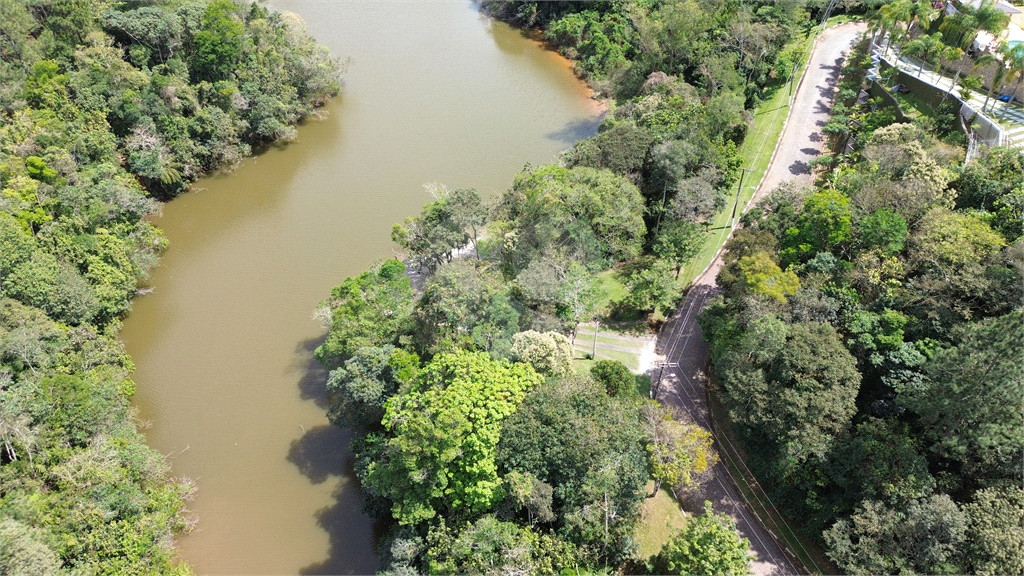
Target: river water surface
x: 435, y: 92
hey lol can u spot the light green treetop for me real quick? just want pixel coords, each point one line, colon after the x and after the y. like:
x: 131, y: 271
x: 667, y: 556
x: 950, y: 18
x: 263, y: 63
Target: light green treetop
x: 443, y: 434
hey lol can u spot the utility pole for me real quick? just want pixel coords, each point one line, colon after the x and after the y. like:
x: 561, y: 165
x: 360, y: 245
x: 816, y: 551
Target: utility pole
x: 593, y: 353
x: 828, y: 12
x: 792, y: 79
x: 739, y: 188
x: 664, y: 191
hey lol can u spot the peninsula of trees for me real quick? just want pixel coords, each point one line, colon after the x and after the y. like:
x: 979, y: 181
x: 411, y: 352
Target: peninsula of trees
x: 478, y: 437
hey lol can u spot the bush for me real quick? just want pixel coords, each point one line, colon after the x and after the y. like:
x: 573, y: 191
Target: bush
x: 614, y: 376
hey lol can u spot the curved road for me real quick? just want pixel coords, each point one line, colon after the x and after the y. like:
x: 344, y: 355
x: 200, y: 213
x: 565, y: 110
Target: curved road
x: 681, y: 341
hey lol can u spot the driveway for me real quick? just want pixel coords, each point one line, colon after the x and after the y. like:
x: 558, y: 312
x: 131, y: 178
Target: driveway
x: 681, y: 341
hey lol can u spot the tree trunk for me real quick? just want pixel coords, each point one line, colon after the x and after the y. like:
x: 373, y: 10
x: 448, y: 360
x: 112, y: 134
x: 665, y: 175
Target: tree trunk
x: 657, y: 487
x: 989, y: 95
x: 1010, y: 101
x: 956, y: 77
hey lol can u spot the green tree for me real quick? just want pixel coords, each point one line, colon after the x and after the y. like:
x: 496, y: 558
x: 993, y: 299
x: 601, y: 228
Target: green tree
x: 444, y: 226
x: 677, y: 452
x: 995, y: 533
x: 956, y: 271
x: 525, y: 491
x: 882, y: 461
x: 492, y: 546
x: 794, y: 384
x: 549, y: 353
x: 763, y: 276
x: 466, y: 304
x: 621, y: 148
x: 614, y: 376
x: 1013, y: 58
x: 439, y: 451
x: 579, y: 295
x: 571, y: 435
x: 678, y: 242
x: 970, y: 404
x: 23, y: 550
x: 217, y: 46
x: 951, y: 243
x: 359, y: 388
x: 585, y: 214
x: 824, y: 224
x: 652, y: 288
x: 156, y: 29
x: 883, y: 230
x: 876, y: 539
x: 366, y: 310
x: 708, y: 544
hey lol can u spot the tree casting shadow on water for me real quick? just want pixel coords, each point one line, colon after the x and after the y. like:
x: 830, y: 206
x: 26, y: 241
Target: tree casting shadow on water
x: 576, y: 130
x: 320, y: 454
x: 313, y: 376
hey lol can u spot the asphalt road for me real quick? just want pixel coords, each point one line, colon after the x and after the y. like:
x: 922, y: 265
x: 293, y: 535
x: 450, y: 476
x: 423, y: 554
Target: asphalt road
x: 683, y: 384
x: 802, y: 138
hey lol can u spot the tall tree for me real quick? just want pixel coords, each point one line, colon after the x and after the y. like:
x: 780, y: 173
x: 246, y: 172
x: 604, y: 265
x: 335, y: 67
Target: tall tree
x: 926, y: 539
x: 588, y: 215
x: 438, y: 454
x: 443, y: 227
x: 970, y: 404
x: 371, y: 309
x: 678, y: 452
x: 708, y: 544
x: 795, y: 384
x: 678, y: 242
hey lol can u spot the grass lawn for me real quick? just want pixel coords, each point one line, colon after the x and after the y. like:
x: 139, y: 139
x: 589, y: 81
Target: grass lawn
x: 637, y: 329
x: 661, y: 517
x: 581, y: 365
x: 912, y: 105
x: 614, y: 290
x: 632, y: 361
x: 586, y: 335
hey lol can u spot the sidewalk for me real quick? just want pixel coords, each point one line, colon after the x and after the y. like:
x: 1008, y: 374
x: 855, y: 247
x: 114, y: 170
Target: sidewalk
x: 1013, y: 135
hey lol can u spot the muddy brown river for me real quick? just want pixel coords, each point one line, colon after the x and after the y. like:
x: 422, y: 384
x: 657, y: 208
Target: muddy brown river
x: 435, y: 92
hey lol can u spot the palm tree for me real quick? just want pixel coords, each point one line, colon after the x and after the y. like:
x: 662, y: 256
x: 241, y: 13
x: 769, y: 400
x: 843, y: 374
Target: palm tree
x: 876, y: 24
x: 951, y: 54
x: 917, y: 48
x: 968, y: 85
x: 1015, y: 69
x: 990, y: 18
x: 928, y: 48
x: 985, y: 60
x: 966, y: 25
x: 891, y: 15
x: 918, y: 11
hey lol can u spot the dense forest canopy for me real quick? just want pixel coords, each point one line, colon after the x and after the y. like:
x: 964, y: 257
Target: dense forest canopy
x: 867, y: 342
x: 868, y: 345
x: 108, y: 108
